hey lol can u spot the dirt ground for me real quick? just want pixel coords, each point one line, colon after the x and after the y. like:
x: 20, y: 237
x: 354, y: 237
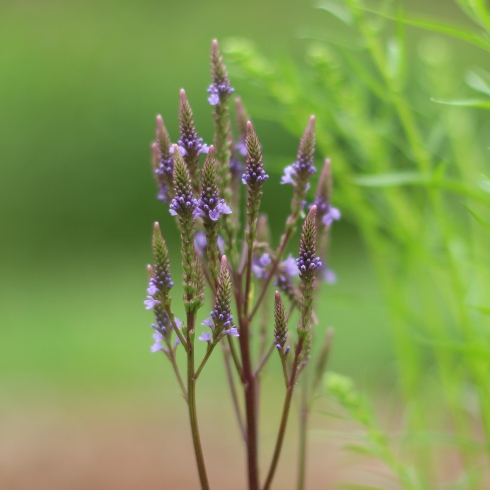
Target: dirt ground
x: 127, y: 446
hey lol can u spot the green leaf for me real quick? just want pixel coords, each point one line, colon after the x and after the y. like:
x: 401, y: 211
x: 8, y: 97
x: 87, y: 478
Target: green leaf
x: 485, y: 104
x: 477, y: 82
x: 479, y: 219
x: 337, y: 9
x: 433, y: 26
x: 390, y: 179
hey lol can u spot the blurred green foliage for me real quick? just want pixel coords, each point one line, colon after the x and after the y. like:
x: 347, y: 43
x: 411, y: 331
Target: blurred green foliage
x: 410, y: 159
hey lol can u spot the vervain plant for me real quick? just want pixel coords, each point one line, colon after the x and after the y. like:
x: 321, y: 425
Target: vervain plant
x: 412, y: 176
x: 205, y: 200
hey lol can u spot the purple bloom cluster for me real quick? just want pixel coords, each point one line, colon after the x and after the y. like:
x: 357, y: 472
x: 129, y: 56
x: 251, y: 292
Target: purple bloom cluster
x: 152, y: 290
x: 201, y: 243
x: 219, y: 321
x: 162, y: 330
x: 183, y: 203
x: 210, y: 206
x: 163, y: 279
x: 325, y: 211
x: 260, y: 264
x: 292, y: 173
x: 285, y: 270
x: 308, y: 262
x: 164, y: 171
x: 255, y: 174
x: 191, y: 144
x: 216, y: 92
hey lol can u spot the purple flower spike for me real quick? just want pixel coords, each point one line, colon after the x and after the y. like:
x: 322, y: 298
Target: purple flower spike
x: 220, y: 90
x: 205, y: 337
x: 210, y: 206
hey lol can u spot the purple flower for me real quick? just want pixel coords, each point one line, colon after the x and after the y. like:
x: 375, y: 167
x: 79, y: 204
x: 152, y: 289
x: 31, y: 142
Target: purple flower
x: 191, y: 144
x: 157, y: 346
x: 254, y: 175
x: 150, y: 302
x: 152, y: 288
x: 205, y: 337
x: 289, y: 173
x: 219, y: 91
x: 236, y: 167
x: 241, y: 147
x: 328, y: 275
x: 201, y: 243
x: 259, y: 265
x: 333, y: 214
x: 232, y: 331
x: 208, y: 323
x: 207, y: 208
x: 288, y: 267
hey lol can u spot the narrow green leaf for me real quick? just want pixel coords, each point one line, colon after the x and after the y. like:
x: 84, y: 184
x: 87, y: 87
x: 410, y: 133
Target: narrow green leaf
x: 431, y: 25
x: 390, y: 179
x: 337, y: 9
x: 478, y: 83
x: 484, y: 104
x: 479, y: 219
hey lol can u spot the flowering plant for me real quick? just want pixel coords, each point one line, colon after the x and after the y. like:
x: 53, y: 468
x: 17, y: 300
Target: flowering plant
x: 205, y: 201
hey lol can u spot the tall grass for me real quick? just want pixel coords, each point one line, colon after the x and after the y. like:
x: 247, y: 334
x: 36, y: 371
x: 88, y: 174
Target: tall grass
x: 410, y: 161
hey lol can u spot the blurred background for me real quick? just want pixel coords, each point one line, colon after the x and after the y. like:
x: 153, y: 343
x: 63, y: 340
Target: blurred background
x: 83, y: 403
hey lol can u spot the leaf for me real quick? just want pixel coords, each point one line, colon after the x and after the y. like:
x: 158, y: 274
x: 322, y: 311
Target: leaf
x: 337, y: 9
x: 479, y: 219
x: 390, y: 179
x: 477, y: 82
x: 361, y: 449
x: 485, y: 104
x: 431, y: 25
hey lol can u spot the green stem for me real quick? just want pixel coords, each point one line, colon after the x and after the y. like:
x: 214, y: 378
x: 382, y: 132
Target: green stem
x: 234, y: 395
x: 191, y: 389
x: 177, y: 330
x: 280, y: 437
x: 171, y: 357
x: 303, y: 427
x: 205, y: 359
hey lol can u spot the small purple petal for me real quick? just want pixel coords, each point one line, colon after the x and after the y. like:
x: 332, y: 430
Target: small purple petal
x: 289, y: 173
x: 150, y: 302
x: 232, y: 331
x: 205, y: 337
x: 333, y: 214
x: 289, y: 267
x: 208, y: 323
x: 265, y: 260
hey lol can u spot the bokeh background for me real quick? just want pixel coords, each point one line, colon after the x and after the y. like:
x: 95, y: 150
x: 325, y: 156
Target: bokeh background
x: 83, y: 403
